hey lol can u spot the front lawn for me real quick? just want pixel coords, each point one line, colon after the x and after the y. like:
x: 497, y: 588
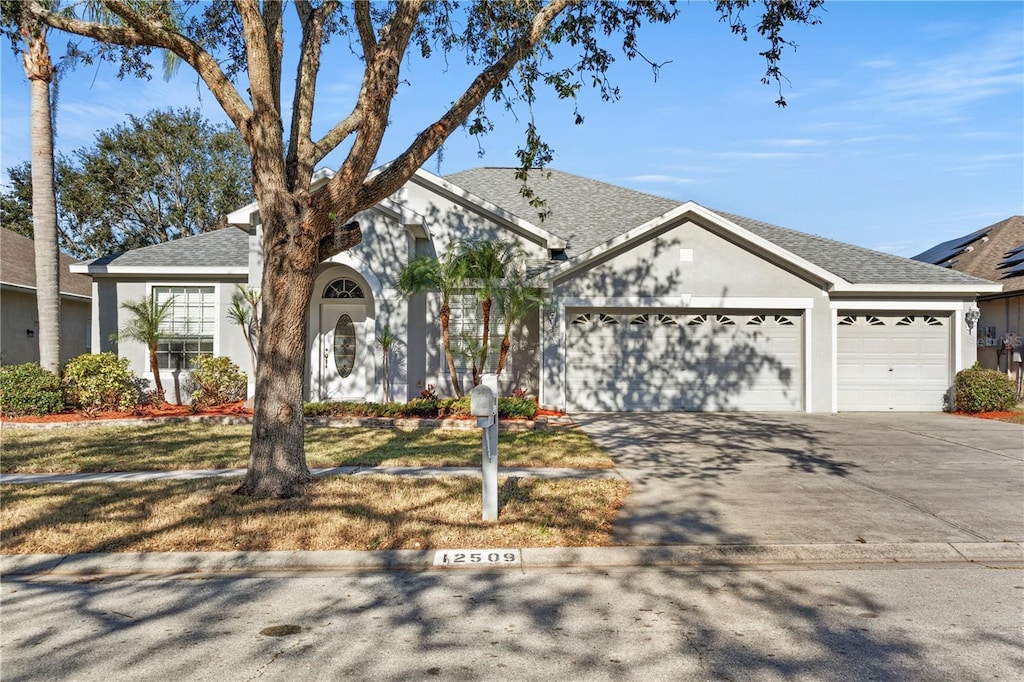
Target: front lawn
x: 345, y: 512
x: 165, y: 446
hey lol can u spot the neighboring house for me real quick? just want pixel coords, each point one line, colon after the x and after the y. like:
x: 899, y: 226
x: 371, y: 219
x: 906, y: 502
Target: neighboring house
x: 650, y: 304
x: 995, y: 252
x: 19, y: 323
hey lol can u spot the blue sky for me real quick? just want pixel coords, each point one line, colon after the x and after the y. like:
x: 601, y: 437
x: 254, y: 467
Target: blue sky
x: 905, y: 124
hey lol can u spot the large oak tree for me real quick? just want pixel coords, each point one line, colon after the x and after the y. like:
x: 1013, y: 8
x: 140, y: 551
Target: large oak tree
x: 516, y: 45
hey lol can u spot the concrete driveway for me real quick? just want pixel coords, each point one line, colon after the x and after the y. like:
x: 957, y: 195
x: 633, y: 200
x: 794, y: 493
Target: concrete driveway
x: 804, y: 478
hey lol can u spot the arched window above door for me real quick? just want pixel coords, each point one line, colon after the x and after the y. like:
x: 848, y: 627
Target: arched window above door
x: 343, y: 288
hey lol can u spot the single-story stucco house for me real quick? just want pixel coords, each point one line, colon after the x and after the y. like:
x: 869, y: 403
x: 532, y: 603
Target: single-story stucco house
x: 19, y: 316
x: 995, y: 252
x: 649, y: 304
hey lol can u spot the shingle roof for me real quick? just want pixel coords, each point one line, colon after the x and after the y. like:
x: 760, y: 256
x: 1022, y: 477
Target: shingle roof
x: 587, y: 213
x: 855, y: 264
x: 18, y: 266
x: 227, y: 247
x: 583, y: 212
x: 988, y: 253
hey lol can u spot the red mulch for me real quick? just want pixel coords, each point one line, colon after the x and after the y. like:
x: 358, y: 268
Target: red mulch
x: 147, y: 412
x: 1003, y: 416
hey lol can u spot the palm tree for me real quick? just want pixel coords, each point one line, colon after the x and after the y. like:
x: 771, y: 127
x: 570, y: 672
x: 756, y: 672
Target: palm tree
x: 39, y: 71
x: 245, y: 312
x: 486, y: 265
x: 426, y: 273
x: 516, y: 299
x: 148, y: 317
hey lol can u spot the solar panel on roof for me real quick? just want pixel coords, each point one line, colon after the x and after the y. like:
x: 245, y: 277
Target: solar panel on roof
x: 1012, y: 259
x: 946, y: 250
x: 1016, y: 249
x: 1016, y: 270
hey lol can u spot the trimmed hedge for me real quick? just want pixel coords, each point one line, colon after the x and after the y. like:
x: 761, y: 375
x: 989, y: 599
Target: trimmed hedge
x: 984, y: 390
x: 421, y: 408
x: 29, y: 389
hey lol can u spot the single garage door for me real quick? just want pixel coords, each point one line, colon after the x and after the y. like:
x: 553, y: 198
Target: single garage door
x: 892, y: 361
x: 658, y: 361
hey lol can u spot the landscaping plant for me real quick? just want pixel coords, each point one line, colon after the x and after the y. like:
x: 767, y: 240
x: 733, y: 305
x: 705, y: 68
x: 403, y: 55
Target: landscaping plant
x: 984, y: 390
x: 216, y: 381
x: 29, y: 389
x: 100, y: 381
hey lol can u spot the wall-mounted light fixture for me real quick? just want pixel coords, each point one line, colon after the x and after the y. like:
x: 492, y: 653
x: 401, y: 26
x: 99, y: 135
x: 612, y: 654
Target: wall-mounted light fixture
x: 971, y: 317
x: 552, y: 315
x: 30, y: 333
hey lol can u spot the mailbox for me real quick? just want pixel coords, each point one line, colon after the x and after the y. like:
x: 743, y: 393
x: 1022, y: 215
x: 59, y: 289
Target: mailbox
x: 483, y: 405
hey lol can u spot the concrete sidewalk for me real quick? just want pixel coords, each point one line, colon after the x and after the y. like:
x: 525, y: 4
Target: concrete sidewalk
x: 323, y: 472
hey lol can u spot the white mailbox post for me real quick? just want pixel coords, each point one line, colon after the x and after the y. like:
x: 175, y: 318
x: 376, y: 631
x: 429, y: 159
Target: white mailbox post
x: 483, y: 404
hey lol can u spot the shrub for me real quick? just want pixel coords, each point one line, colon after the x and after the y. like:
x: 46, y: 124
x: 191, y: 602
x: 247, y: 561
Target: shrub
x: 216, y: 381
x: 519, y: 407
x: 983, y: 390
x: 101, y: 381
x: 29, y: 389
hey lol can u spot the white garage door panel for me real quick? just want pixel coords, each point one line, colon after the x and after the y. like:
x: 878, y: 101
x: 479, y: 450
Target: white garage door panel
x: 654, y: 361
x: 892, y: 361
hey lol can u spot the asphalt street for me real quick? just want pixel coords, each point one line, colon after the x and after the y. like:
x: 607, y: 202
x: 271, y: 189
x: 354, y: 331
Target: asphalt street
x: 939, y: 622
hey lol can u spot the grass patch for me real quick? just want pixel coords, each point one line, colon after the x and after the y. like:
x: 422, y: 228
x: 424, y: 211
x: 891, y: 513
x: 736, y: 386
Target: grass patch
x: 213, y: 446
x: 361, y: 513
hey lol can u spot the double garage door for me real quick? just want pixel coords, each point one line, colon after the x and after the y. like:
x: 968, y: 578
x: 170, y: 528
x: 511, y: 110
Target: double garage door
x: 892, y: 361
x: 661, y: 361
x: 751, y: 360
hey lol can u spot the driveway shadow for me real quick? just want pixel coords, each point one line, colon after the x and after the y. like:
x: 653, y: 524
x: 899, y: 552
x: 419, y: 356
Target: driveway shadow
x: 699, y: 477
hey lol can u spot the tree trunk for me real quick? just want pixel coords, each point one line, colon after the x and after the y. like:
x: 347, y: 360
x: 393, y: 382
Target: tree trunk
x: 506, y: 344
x: 39, y: 71
x: 277, y: 456
x: 446, y: 340
x: 485, y: 346
x: 154, y: 366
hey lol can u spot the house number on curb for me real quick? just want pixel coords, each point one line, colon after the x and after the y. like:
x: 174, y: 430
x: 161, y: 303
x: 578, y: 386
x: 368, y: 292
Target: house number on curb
x: 477, y: 557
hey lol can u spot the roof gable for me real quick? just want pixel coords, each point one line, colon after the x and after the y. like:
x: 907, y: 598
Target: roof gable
x: 595, y: 217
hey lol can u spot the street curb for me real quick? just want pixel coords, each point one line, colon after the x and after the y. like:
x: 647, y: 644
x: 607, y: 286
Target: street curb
x: 691, y: 556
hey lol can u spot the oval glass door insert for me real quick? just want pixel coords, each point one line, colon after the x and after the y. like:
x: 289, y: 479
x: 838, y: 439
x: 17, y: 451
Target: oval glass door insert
x: 344, y: 345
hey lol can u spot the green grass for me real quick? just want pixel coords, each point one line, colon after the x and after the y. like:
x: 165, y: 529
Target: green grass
x: 211, y: 446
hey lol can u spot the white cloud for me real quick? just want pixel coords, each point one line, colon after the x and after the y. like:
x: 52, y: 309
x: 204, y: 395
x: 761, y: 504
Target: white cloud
x: 766, y: 156
x: 660, y: 179
x: 943, y: 87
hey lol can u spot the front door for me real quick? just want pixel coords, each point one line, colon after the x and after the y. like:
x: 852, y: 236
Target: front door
x: 342, y: 355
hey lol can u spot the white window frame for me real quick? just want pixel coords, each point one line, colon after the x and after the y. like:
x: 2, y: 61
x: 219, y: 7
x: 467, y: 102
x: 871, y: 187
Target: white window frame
x: 217, y: 312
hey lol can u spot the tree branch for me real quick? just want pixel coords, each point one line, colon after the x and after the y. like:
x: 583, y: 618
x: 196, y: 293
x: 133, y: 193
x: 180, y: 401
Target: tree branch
x: 302, y: 156
x: 394, y: 175
x: 373, y: 107
x: 365, y: 26
x: 136, y: 31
